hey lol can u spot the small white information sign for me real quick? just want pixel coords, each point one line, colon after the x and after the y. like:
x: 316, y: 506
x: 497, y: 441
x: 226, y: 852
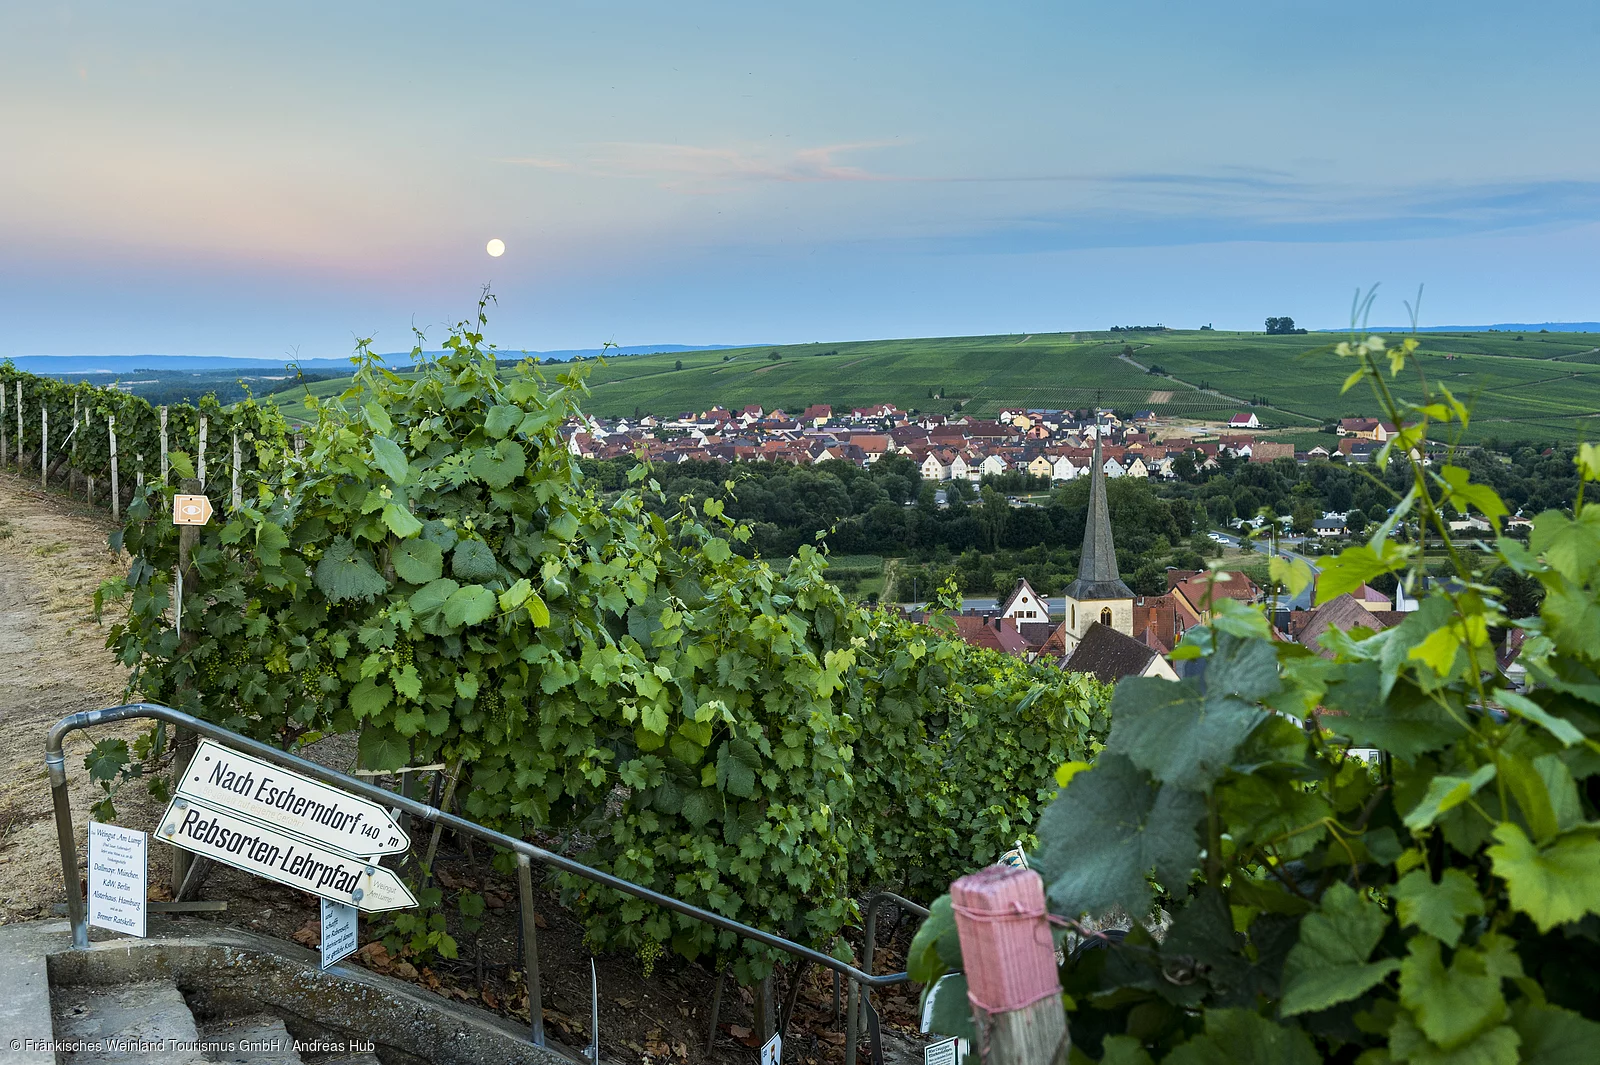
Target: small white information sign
x: 772, y: 1052
x: 223, y: 778
x: 272, y: 853
x: 119, y: 878
x: 340, y: 927
x: 945, y: 1052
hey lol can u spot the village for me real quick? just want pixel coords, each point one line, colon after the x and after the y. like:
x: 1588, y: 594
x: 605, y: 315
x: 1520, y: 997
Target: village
x: 1052, y: 444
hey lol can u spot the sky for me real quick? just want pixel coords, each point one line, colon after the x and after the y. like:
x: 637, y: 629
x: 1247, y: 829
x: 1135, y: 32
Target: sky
x: 279, y: 179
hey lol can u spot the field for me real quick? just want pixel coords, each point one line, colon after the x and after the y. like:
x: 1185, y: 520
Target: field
x: 1536, y: 387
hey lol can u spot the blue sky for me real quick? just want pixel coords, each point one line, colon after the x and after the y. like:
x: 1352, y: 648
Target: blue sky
x: 263, y: 179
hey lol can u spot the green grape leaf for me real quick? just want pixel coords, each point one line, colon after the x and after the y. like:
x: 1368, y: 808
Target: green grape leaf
x: 1555, y: 1036
x: 369, y: 698
x: 1123, y: 1050
x: 501, y: 419
x: 1107, y: 830
x: 698, y: 808
x: 417, y: 561
x: 1524, y: 707
x: 1444, y: 794
x: 1357, y: 565
x: 401, y: 521
x: 432, y: 596
x: 1441, y: 909
x: 383, y: 749
x: 437, y: 532
x: 1571, y: 545
x: 936, y: 948
x: 270, y: 543
x: 737, y: 764
x: 1408, y: 1043
x: 1328, y: 964
x: 470, y: 604
x: 106, y: 759
x: 1401, y: 720
x: 1244, y: 1037
x: 343, y: 575
x: 499, y: 466
x: 1552, y: 884
x: 1185, y: 738
x: 472, y: 561
x: 388, y: 457
x: 406, y: 681
x: 1450, y: 1004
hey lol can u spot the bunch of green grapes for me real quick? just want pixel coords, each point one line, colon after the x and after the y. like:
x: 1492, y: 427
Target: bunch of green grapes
x: 404, y: 653
x: 649, y: 950
x: 311, y: 677
x: 492, y: 703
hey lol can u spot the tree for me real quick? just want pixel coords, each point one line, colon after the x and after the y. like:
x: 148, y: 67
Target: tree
x: 1280, y: 326
x: 678, y: 365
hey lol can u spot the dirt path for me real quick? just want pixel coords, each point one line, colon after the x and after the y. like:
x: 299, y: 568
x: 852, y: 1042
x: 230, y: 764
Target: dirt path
x: 53, y: 662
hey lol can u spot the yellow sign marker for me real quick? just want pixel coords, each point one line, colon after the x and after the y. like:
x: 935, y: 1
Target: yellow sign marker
x: 190, y: 510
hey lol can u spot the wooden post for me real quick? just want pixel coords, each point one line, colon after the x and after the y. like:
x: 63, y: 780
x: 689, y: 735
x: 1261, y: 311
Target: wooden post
x: 1010, y: 960
x: 299, y: 442
x: 766, y: 1019
x: 138, y: 477
x: 200, y: 454
x: 236, y: 499
x: 44, y: 445
x: 5, y: 435
x: 163, y: 447
x: 183, y: 740
x: 88, y: 488
x: 19, y: 426
x: 116, y: 487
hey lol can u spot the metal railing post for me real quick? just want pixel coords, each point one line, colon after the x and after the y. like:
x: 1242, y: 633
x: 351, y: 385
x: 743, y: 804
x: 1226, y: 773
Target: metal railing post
x: 56, y: 762
x: 530, y: 948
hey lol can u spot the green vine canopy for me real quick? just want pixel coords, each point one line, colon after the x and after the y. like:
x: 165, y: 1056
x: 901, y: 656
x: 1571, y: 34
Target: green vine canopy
x: 434, y: 573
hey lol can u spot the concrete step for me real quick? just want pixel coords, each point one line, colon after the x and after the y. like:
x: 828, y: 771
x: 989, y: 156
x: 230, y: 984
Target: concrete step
x: 138, y: 1022
x: 258, y: 1040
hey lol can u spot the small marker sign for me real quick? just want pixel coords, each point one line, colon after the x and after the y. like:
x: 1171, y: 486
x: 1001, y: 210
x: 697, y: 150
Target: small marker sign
x: 119, y: 878
x: 340, y: 928
x: 944, y: 1052
x: 772, y: 1051
x: 191, y: 510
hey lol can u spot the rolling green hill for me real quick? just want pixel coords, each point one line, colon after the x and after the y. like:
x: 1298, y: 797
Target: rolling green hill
x: 1536, y: 386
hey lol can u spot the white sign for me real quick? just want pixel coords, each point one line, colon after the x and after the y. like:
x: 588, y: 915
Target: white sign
x: 119, y: 878
x: 339, y: 932
x: 268, y: 852
x: 772, y: 1051
x: 941, y: 1053
x: 224, y: 779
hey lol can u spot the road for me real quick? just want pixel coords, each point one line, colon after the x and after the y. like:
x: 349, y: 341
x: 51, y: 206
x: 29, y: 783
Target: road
x: 1298, y: 602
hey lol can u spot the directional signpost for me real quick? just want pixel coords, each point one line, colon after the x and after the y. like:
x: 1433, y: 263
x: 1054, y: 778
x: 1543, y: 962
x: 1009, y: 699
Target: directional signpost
x: 248, y: 813
x: 224, y: 779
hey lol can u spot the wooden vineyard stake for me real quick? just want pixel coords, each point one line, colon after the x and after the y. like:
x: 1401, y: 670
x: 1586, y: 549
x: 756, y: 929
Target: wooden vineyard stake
x: 44, y: 445
x: 200, y: 454
x: 163, y: 448
x: 116, y: 488
x: 1010, y: 960
x: 236, y: 499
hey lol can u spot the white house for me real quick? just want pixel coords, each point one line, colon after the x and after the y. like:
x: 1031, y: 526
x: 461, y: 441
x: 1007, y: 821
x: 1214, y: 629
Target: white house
x: 1247, y: 420
x: 959, y: 470
x: 1024, y: 604
x: 1137, y: 468
x: 1113, y: 468
x: 1063, y: 469
x: 933, y: 469
x: 992, y: 466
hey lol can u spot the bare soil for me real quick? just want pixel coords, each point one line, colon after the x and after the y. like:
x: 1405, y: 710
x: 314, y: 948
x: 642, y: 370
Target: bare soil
x: 53, y: 661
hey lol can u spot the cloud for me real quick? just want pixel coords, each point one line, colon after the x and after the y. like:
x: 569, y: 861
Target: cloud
x: 689, y: 168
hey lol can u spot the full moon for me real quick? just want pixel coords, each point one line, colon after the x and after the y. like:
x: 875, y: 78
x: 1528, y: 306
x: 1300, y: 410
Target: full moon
x: 497, y: 247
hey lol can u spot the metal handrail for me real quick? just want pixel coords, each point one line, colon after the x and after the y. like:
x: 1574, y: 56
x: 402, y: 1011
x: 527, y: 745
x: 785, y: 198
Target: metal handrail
x: 856, y: 1010
x: 55, y: 762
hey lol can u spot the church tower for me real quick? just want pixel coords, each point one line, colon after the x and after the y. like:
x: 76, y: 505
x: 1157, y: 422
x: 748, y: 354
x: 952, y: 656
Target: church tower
x: 1098, y: 594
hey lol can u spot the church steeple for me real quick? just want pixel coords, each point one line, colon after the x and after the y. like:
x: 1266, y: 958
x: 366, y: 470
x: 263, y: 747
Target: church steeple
x: 1097, y: 568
